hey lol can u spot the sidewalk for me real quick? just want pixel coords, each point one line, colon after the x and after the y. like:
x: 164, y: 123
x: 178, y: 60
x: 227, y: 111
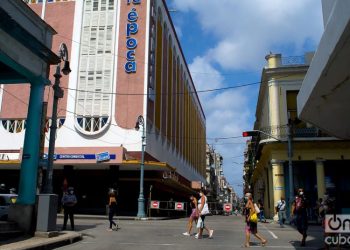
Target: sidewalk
x: 25, y: 242
x: 64, y: 237
x: 105, y: 217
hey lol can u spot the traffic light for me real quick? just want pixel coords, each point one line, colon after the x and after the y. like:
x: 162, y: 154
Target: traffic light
x: 250, y: 133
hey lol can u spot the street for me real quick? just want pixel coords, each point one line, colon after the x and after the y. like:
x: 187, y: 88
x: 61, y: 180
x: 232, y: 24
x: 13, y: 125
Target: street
x: 167, y: 234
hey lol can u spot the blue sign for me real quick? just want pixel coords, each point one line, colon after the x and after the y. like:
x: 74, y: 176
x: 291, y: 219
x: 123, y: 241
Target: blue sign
x: 133, y: 1
x: 131, y: 43
x: 103, y: 157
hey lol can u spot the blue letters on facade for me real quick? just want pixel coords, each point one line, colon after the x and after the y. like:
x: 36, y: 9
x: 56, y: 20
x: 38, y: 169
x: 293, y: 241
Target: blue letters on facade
x: 131, y: 43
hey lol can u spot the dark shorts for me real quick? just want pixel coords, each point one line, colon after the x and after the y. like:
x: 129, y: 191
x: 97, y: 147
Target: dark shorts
x: 251, y: 227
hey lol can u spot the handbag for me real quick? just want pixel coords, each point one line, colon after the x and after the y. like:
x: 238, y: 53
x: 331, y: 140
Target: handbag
x: 253, y: 218
x: 205, y: 209
x: 257, y: 210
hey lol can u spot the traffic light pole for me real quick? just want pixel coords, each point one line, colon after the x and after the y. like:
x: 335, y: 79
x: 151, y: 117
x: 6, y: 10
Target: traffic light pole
x: 290, y: 166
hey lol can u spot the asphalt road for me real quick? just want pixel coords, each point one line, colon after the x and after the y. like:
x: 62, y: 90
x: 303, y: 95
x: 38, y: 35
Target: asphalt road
x: 167, y: 234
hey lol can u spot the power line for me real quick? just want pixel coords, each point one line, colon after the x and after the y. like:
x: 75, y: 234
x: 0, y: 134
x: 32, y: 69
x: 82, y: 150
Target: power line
x: 25, y: 103
x: 176, y: 93
x: 112, y: 124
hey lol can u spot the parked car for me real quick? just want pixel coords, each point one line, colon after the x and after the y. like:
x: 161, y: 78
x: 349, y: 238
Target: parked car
x: 5, y: 201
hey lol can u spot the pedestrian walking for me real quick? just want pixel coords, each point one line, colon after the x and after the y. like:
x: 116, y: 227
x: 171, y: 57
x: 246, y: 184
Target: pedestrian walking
x: 69, y: 200
x: 299, y: 208
x: 261, y: 214
x: 203, y: 211
x: 251, y: 220
x: 194, y: 215
x: 281, y: 210
x: 112, y: 205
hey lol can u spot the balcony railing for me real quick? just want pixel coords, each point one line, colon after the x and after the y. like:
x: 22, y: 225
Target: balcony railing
x: 281, y: 132
x: 292, y: 60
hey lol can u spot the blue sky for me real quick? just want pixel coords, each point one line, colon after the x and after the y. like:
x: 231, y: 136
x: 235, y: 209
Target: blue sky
x: 225, y: 42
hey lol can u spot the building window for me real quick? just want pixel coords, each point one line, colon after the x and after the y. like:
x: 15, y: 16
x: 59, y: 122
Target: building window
x: 14, y: 126
x: 292, y: 111
x: 96, y: 66
x: 292, y: 104
x: 92, y: 124
x: 60, y: 122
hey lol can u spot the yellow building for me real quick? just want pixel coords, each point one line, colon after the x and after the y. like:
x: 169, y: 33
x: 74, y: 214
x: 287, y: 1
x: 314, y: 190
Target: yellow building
x: 318, y: 160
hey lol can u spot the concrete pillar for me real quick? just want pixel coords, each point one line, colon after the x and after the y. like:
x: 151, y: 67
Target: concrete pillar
x: 321, y: 184
x: 23, y: 211
x: 274, y: 104
x: 277, y: 181
x: 30, y: 156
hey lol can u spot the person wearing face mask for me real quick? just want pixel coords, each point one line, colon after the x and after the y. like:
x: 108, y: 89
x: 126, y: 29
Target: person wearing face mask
x: 69, y: 200
x: 203, y: 210
x: 299, y: 209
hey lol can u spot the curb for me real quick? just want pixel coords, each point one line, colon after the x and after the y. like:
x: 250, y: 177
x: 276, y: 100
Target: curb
x: 64, y: 238
x: 105, y: 217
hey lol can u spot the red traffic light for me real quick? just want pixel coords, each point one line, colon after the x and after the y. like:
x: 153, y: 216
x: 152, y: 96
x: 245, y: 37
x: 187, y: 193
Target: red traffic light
x: 250, y: 133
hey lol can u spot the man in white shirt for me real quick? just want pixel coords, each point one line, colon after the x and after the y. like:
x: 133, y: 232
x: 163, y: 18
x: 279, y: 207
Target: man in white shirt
x: 281, y: 210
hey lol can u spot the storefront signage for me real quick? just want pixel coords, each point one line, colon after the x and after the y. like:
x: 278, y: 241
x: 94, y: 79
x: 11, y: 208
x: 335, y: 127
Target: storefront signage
x: 131, y: 42
x: 79, y: 156
x: 105, y: 156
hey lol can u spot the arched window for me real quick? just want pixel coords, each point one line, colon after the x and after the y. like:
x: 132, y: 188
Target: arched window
x: 14, y: 126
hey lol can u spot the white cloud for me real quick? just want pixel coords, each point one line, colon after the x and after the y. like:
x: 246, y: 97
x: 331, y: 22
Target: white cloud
x: 244, y: 31
x: 178, y: 31
x: 248, y: 30
x: 227, y: 115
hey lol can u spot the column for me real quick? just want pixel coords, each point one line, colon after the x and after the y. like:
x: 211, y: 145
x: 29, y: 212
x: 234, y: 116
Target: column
x: 30, y: 156
x: 277, y: 181
x: 274, y: 105
x: 321, y: 184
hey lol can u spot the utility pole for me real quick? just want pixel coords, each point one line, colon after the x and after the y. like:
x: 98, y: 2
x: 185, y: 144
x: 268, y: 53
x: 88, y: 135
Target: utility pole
x: 58, y: 93
x: 290, y: 164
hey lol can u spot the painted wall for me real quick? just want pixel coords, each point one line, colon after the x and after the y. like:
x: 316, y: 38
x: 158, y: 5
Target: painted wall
x: 188, y: 122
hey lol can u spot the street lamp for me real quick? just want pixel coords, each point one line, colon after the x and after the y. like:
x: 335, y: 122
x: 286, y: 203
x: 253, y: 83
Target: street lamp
x: 47, y: 202
x: 58, y: 93
x: 141, y: 200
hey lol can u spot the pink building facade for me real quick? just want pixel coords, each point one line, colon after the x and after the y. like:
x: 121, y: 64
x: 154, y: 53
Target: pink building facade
x: 126, y: 61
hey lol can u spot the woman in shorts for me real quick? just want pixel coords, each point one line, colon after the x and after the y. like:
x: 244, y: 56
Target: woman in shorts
x: 193, y: 216
x: 251, y: 227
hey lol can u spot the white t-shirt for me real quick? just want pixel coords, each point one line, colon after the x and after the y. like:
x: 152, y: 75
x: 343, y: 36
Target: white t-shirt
x: 281, y: 205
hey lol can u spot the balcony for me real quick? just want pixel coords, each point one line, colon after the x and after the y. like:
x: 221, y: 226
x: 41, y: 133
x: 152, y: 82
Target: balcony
x: 281, y: 133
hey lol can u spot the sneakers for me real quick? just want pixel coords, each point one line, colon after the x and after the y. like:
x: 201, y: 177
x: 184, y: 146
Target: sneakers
x: 198, y: 237
x: 211, y: 234
x: 109, y: 229
x: 186, y: 234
